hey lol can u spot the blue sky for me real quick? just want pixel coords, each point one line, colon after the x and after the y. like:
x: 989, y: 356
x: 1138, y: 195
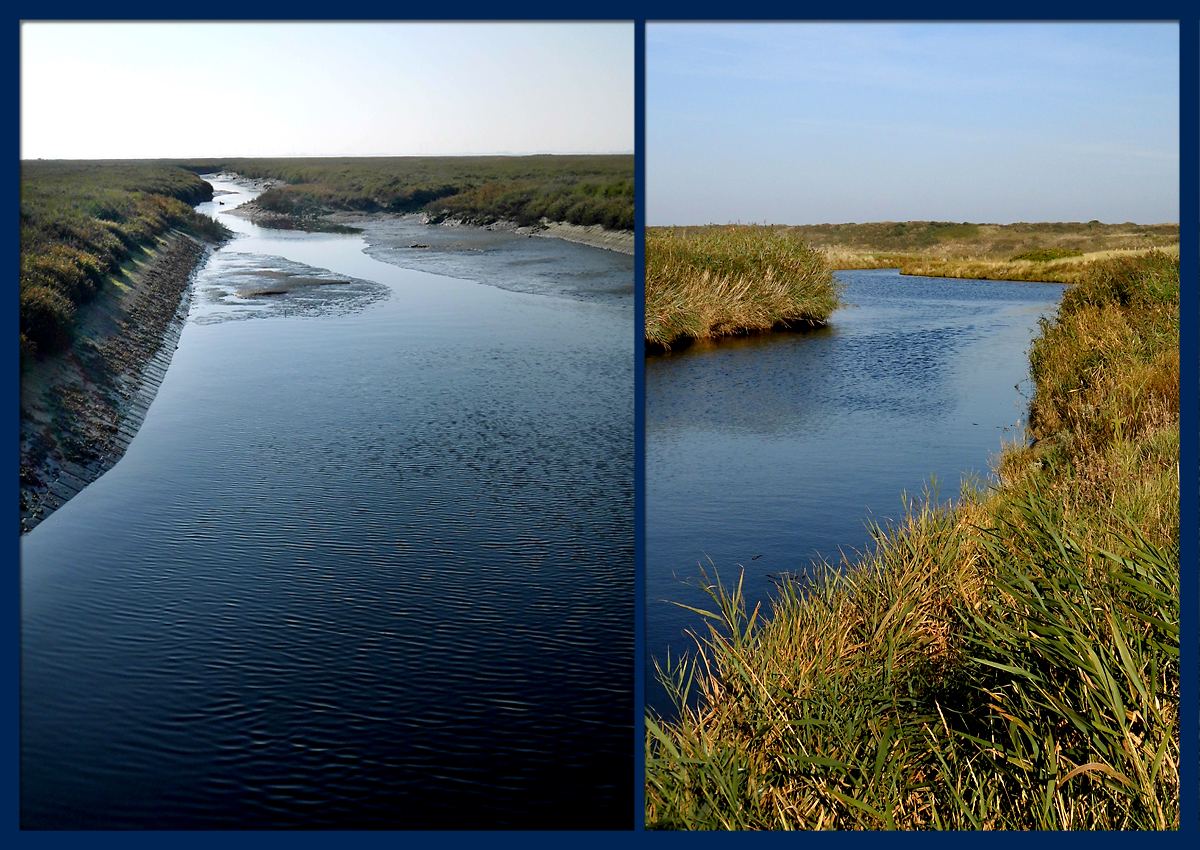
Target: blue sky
x: 813, y: 123
x: 114, y: 90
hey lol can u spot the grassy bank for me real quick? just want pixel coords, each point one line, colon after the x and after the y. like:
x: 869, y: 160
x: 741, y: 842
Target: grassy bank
x: 581, y: 190
x: 1050, y: 266
x: 1012, y: 662
x: 80, y: 221
x: 732, y: 280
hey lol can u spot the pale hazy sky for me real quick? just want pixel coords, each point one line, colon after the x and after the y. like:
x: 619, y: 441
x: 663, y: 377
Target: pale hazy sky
x: 815, y: 123
x: 124, y: 91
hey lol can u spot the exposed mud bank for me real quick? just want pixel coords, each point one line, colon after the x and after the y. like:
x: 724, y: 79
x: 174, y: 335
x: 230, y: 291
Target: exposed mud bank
x: 80, y: 408
x: 594, y: 235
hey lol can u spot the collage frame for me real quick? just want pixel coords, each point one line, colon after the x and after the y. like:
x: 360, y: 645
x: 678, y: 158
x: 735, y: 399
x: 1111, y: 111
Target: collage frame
x: 640, y: 13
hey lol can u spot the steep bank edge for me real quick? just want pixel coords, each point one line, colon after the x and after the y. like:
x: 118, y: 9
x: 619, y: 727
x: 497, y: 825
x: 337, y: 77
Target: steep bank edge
x: 81, y: 408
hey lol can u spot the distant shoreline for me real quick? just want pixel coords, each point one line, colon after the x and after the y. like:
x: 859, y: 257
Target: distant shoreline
x: 1049, y: 252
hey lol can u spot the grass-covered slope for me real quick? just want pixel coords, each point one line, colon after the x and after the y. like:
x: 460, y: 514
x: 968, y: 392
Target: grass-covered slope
x: 80, y: 221
x: 1009, y: 663
x: 581, y: 190
x: 732, y: 280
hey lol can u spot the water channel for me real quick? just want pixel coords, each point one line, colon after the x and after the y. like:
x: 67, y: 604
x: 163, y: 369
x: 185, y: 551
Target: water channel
x: 769, y: 452
x: 369, y: 561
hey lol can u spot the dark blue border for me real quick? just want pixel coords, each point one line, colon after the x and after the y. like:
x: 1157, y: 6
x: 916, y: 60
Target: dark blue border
x: 1189, y: 388
x: 676, y: 10
x: 10, y: 558
x: 639, y: 452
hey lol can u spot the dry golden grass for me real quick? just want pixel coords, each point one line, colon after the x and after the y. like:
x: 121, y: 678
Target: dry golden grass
x: 1064, y: 270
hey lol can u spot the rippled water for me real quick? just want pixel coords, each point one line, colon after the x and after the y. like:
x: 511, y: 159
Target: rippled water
x: 768, y: 452
x: 368, y: 562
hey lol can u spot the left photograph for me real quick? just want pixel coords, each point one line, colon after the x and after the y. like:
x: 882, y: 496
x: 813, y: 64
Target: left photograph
x: 327, y: 426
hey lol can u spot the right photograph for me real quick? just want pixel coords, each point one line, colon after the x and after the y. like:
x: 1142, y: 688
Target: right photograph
x: 912, y: 426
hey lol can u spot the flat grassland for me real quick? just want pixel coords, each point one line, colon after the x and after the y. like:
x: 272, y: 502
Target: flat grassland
x: 579, y: 190
x: 1052, y: 252
x: 1008, y: 663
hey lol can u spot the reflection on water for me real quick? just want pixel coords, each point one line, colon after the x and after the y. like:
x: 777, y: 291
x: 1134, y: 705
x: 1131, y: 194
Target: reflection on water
x: 368, y: 563
x: 770, y: 451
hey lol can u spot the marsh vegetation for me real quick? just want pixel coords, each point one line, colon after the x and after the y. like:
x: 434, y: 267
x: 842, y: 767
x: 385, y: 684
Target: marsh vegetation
x: 80, y: 221
x: 732, y: 280
x: 1011, y: 662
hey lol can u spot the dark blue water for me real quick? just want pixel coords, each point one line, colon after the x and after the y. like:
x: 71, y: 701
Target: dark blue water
x: 368, y: 562
x: 769, y: 452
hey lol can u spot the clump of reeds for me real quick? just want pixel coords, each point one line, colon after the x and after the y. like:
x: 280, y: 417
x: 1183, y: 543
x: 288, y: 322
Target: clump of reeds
x: 730, y: 280
x: 1012, y: 662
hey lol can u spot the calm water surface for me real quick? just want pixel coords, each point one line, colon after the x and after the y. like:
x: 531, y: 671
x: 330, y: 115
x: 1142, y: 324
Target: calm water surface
x: 368, y: 562
x: 772, y: 451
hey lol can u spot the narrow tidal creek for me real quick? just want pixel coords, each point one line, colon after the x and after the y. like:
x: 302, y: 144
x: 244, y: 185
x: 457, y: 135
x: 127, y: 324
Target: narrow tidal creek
x: 767, y: 452
x: 367, y: 563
